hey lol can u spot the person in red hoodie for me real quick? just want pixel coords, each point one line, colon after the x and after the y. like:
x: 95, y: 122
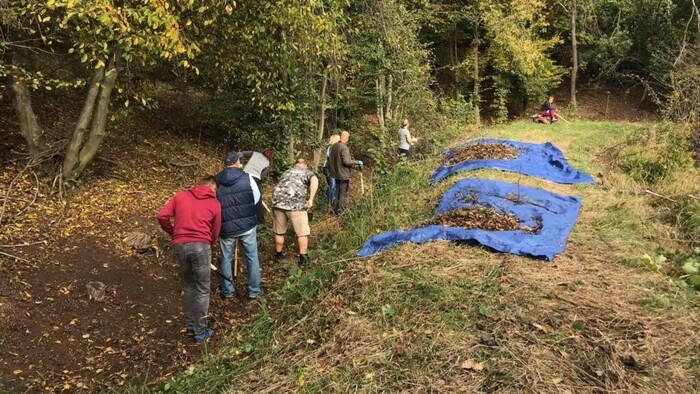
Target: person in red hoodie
x: 197, y: 216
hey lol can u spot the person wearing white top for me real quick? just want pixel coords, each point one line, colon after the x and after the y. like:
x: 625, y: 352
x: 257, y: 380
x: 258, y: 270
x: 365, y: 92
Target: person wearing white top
x: 405, y: 139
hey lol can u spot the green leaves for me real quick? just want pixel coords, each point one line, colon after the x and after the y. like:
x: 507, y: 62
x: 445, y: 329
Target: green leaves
x: 652, y: 264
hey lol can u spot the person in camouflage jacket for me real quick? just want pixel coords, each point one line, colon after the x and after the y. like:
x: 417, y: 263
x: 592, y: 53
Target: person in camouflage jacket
x: 292, y: 200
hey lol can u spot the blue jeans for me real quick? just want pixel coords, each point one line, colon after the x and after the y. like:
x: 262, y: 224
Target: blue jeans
x: 249, y: 245
x: 331, y: 190
x: 194, y: 259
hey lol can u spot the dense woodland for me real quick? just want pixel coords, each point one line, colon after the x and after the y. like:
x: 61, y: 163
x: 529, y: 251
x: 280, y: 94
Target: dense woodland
x: 286, y: 74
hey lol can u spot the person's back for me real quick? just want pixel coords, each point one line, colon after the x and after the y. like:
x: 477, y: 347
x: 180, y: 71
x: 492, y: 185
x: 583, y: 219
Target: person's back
x: 257, y: 164
x: 237, y: 200
x: 403, y: 139
x: 340, y: 162
x: 292, y: 190
x: 197, y: 213
x: 238, y: 194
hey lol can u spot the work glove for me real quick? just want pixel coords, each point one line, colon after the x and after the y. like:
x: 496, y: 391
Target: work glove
x: 360, y: 163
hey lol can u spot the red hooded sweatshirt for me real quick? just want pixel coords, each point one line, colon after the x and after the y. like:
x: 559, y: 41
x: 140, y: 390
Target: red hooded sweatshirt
x: 197, y: 216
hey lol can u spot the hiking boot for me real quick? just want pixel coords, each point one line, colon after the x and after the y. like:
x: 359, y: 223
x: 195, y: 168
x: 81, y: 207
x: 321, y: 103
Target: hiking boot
x: 279, y: 256
x: 190, y: 329
x: 303, y: 260
x: 203, y: 336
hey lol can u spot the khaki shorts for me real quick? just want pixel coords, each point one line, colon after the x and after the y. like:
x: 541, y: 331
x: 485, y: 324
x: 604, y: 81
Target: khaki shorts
x: 299, y: 219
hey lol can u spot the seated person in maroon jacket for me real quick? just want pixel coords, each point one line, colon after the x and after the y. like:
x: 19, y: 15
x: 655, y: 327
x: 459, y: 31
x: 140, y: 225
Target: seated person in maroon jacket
x: 197, y: 216
x: 549, y: 109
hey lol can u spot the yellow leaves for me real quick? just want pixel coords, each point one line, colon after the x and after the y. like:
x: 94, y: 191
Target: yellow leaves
x: 472, y: 365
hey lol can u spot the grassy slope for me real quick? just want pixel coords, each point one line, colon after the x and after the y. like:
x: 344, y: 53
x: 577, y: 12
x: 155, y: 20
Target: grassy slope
x: 408, y: 319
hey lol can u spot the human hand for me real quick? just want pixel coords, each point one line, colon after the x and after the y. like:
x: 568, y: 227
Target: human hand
x: 309, y: 204
x: 360, y: 163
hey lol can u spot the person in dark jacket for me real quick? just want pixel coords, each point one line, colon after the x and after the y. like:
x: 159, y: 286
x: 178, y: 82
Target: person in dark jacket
x: 549, y: 109
x: 340, y: 162
x: 330, y: 191
x: 197, y: 216
x: 238, y: 194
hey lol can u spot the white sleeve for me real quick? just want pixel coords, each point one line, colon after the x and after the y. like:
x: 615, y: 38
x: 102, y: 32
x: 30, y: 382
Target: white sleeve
x: 256, y: 191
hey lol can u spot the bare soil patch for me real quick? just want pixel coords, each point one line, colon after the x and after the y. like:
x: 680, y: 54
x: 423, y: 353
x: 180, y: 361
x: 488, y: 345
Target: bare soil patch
x: 56, y: 338
x: 480, y: 151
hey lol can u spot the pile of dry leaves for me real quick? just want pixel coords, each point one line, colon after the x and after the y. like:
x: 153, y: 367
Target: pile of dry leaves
x: 484, y: 218
x: 481, y: 151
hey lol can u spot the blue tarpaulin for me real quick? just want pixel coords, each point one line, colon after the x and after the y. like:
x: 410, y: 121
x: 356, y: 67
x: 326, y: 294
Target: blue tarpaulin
x: 540, y: 160
x: 556, y: 214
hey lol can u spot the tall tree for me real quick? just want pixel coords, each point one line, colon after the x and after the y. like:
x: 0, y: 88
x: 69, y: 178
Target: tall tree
x: 574, y: 53
x: 106, y: 39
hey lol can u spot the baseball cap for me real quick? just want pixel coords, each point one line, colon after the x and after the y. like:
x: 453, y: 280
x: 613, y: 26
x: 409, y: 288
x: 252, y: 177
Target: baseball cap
x: 232, y: 158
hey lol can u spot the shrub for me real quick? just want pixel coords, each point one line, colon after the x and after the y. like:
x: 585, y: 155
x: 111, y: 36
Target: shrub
x: 687, y: 216
x: 658, y: 151
x: 458, y: 109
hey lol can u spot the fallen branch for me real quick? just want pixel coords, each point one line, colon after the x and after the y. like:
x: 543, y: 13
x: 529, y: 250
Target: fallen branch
x: 9, y: 189
x: 15, y: 257
x: 659, y: 195
x: 107, y: 160
x: 22, y: 245
x: 175, y: 164
x: 36, y: 193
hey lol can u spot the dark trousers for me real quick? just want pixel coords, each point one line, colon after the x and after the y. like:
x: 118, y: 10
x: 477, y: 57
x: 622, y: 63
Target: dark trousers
x: 404, y: 153
x: 341, y: 195
x: 259, y: 209
x: 194, y: 259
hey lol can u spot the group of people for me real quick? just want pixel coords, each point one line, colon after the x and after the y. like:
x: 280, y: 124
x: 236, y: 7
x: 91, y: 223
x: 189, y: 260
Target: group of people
x: 228, y: 207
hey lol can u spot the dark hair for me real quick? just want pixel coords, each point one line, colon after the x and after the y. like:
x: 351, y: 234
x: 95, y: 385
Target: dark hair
x: 207, y: 180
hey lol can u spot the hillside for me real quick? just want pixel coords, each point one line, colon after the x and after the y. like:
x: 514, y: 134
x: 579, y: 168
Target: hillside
x: 439, y: 317
x: 442, y: 317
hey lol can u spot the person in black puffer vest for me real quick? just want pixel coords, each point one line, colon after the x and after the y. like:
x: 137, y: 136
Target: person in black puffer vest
x: 238, y: 194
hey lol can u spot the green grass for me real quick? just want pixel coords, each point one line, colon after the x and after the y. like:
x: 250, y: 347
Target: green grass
x: 410, y: 300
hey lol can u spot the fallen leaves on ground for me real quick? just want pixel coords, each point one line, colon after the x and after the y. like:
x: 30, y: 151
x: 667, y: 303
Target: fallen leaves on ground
x: 480, y: 151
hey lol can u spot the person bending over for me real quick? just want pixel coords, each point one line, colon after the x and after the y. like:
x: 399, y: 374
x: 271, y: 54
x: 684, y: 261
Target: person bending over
x: 197, y: 217
x: 292, y: 199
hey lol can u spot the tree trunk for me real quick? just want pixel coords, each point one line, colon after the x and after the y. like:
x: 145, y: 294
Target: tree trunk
x: 574, y: 55
x: 476, y: 99
x: 389, y: 93
x: 380, y: 100
x: 291, y: 147
x: 321, y: 119
x: 76, y: 140
x: 28, y: 123
x: 94, y: 110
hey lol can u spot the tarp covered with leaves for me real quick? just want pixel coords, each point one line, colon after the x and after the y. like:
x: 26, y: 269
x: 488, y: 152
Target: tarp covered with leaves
x: 554, y: 215
x: 541, y: 160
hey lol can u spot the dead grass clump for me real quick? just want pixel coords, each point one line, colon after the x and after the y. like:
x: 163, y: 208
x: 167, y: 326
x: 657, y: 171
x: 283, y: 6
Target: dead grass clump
x: 484, y: 218
x: 481, y: 151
